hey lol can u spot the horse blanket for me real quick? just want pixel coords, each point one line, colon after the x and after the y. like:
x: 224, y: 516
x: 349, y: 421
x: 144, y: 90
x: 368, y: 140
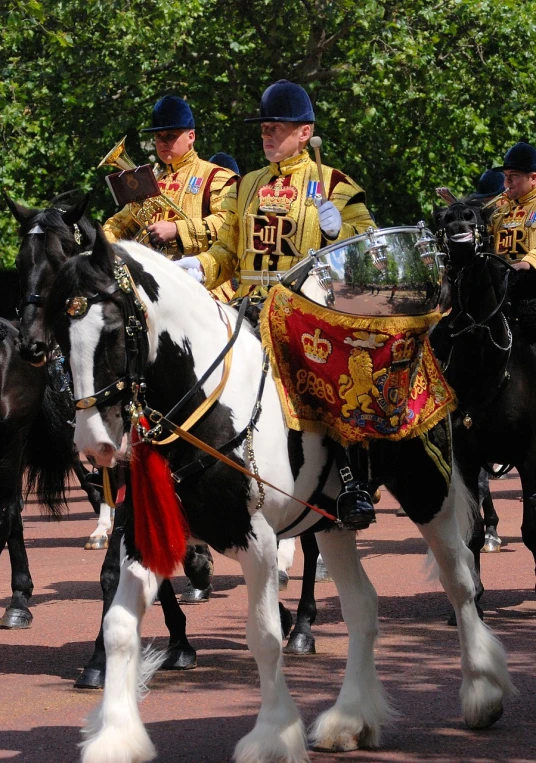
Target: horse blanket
x: 354, y: 378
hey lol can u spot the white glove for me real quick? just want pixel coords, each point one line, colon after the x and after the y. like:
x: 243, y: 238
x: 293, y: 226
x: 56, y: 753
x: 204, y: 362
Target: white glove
x: 329, y: 218
x: 193, y: 267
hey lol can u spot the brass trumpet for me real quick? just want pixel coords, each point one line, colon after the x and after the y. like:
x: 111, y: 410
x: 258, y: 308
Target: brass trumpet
x: 495, y: 199
x: 142, y: 212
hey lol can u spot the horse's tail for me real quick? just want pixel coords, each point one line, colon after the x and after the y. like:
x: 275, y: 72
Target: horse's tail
x: 51, y: 453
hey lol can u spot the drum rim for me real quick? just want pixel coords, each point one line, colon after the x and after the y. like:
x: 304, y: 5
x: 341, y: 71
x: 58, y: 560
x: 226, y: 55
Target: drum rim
x: 372, y: 233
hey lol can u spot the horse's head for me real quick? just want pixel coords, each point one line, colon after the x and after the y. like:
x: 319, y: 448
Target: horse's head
x: 49, y: 237
x: 98, y: 326
x: 462, y: 231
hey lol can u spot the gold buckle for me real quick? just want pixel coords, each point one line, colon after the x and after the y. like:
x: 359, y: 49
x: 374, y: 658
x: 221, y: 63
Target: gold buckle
x: 156, y: 417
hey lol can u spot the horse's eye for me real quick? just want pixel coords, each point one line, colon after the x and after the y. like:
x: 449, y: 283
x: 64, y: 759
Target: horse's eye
x: 468, y: 214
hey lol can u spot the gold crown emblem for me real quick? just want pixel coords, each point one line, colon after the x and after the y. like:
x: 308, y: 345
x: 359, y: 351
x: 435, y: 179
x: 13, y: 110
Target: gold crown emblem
x: 403, y: 350
x: 316, y: 349
x: 277, y: 199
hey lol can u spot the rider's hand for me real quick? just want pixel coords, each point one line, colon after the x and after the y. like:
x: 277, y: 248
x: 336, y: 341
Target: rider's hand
x: 162, y: 232
x: 522, y: 265
x: 329, y: 218
x: 193, y: 267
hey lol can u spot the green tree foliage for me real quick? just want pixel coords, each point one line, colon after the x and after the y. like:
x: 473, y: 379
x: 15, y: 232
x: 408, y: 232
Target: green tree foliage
x: 409, y: 94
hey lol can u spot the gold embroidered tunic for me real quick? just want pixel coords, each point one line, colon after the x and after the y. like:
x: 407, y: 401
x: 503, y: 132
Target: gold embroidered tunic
x: 513, y: 225
x: 272, y: 222
x: 198, y: 188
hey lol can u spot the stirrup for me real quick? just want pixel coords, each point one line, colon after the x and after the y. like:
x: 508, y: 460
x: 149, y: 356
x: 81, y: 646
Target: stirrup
x: 354, y: 508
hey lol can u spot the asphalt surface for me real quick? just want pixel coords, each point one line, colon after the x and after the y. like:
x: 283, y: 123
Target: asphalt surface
x: 197, y: 716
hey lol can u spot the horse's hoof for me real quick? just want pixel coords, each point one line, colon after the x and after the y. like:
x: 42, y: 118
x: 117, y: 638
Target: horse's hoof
x: 16, y: 619
x: 300, y: 643
x: 196, y: 595
x: 376, y: 496
x: 283, y: 580
x: 322, y: 575
x: 492, y: 544
x: 489, y: 721
x: 90, y: 678
x: 96, y: 544
x: 180, y: 658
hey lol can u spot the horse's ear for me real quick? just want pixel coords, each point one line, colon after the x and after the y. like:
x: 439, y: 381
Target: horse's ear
x: 102, y: 257
x: 20, y: 213
x: 74, y: 213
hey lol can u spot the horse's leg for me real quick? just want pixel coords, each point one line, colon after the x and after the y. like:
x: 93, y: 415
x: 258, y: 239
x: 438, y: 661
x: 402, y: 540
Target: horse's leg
x: 527, y: 472
x: 301, y: 640
x: 485, y: 673
x: 470, y: 471
x: 278, y: 733
x: 180, y: 654
x: 361, y: 708
x: 285, y: 558
x: 492, y: 542
x: 98, y: 539
x: 17, y: 614
x: 199, y: 568
x: 92, y: 676
x: 114, y: 732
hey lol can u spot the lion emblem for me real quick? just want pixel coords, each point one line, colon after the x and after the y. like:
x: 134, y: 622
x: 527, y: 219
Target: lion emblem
x: 360, y: 388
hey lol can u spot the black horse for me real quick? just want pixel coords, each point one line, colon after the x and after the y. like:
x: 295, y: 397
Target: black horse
x: 487, y: 347
x: 33, y: 439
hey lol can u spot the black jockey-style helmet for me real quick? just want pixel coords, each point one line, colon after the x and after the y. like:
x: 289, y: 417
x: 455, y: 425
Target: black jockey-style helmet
x: 285, y: 101
x: 490, y: 184
x: 171, y: 113
x: 225, y: 160
x: 521, y: 157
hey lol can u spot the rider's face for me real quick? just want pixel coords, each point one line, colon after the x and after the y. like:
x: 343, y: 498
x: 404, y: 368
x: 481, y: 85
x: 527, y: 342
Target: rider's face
x: 281, y: 140
x: 171, y: 145
x: 518, y: 183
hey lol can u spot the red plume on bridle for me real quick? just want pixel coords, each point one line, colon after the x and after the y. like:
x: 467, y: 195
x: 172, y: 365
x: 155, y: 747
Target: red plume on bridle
x: 160, y: 527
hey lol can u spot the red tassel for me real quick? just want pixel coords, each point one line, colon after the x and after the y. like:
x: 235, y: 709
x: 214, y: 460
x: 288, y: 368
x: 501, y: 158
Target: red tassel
x: 160, y: 528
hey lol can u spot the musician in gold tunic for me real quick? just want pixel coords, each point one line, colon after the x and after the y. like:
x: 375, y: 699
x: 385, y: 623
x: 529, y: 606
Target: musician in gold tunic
x: 274, y: 216
x: 196, y: 186
x: 514, y: 222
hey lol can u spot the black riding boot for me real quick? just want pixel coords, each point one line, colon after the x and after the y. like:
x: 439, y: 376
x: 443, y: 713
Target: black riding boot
x: 354, y: 504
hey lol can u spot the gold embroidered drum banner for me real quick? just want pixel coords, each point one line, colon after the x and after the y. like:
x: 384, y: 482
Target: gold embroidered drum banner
x: 354, y: 378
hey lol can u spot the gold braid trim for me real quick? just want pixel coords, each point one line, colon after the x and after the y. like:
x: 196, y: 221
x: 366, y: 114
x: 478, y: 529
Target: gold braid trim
x: 435, y: 454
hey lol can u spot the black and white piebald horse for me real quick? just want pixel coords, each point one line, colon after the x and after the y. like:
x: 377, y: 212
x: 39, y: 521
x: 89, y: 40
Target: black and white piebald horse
x: 185, y: 331
x: 488, y: 347
x: 49, y: 237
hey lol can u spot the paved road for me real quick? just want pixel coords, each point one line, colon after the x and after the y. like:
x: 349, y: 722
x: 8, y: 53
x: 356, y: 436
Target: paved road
x: 197, y: 716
